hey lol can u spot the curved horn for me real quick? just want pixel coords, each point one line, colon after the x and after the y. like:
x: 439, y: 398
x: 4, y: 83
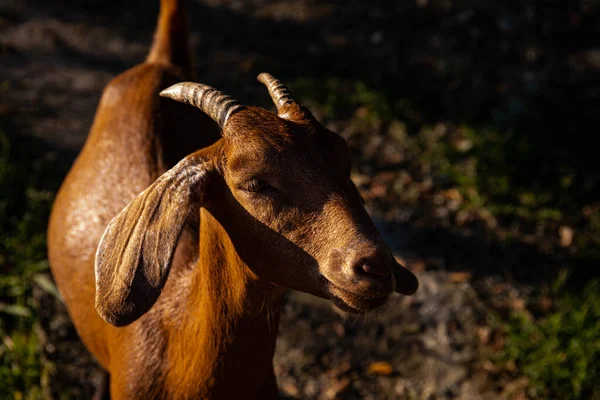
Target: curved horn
x: 279, y: 92
x: 213, y: 102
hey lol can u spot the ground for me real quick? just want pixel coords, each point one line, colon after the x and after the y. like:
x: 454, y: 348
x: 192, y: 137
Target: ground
x: 469, y: 123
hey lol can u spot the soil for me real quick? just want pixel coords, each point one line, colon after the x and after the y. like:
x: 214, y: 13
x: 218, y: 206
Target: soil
x: 56, y: 57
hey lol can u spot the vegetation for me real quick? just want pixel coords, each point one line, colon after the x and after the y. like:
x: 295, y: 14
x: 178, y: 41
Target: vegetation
x: 489, y: 158
x: 557, y: 349
x: 474, y: 119
x: 24, y: 210
x: 559, y: 353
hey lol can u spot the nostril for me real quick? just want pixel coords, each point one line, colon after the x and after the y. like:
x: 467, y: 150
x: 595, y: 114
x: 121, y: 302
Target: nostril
x: 372, y: 270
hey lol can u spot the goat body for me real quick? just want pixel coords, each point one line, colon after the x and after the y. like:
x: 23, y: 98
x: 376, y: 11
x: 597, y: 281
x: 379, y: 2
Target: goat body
x: 269, y: 206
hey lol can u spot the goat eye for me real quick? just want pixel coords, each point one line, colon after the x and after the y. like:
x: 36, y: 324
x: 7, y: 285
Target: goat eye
x: 254, y: 185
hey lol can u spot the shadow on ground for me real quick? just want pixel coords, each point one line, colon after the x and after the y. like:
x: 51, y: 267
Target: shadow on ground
x: 527, y: 71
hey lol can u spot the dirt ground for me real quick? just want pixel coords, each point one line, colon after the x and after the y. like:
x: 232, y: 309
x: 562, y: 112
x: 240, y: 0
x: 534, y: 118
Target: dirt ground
x: 56, y: 57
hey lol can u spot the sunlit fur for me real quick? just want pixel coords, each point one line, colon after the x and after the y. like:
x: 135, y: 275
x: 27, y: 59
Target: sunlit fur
x: 179, y: 296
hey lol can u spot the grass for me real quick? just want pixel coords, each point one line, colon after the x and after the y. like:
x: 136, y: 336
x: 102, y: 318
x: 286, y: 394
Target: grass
x: 498, y: 175
x: 516, y: 172
x: 559, y: 353
x: 484, y: 169
x: 24, y: 214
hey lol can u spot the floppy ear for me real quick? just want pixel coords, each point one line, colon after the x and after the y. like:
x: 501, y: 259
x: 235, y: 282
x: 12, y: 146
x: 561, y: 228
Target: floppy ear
x: 135, y: 253
x: 406, y: 282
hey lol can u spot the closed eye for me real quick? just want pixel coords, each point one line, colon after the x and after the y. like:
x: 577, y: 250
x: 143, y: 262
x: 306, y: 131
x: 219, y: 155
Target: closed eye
x: 255, y: 185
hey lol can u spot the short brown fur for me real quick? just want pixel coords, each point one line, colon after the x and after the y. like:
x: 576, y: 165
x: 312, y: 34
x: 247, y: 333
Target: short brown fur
x: 191, y: 257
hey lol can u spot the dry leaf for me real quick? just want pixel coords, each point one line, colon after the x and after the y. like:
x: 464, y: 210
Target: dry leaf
x: 518, y: 304
x: 566, y: 236
x: 380, y: 368
x: 483, y: 333
x: 459, y: 277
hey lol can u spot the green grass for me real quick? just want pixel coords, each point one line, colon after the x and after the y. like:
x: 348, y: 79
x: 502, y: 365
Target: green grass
x: 519, y: 169
x: 519, y: 179
x: 24, y: 210
x: 559, y: 353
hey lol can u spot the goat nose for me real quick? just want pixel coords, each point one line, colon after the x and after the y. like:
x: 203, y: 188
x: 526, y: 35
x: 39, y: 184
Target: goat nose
x: 370, y: 269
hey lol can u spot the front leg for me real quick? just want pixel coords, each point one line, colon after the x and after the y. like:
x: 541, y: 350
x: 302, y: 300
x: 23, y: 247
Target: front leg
x: 136, y: 363
x: 134, y: 387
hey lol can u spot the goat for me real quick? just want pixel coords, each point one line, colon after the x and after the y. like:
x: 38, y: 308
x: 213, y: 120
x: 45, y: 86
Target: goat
x: 267, y: 206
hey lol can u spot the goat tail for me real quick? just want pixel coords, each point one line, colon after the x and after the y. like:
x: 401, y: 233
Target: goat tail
x: 171, y: 38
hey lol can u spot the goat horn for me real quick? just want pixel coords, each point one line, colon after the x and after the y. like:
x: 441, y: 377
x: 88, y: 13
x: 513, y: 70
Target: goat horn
x: 216, y: 104
x: 279, y: 92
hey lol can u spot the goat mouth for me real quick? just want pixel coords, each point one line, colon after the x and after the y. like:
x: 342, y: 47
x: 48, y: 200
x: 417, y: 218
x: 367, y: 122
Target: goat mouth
x: 353, y: 302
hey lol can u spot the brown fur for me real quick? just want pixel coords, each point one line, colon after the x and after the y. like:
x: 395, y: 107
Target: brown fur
x: 195, y: 262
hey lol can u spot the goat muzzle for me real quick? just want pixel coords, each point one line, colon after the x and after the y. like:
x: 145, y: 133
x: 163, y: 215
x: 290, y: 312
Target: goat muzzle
x: 364, y: 277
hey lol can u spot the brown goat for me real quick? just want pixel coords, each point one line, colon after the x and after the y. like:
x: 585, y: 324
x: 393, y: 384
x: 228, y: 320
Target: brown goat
x: 268, y: 206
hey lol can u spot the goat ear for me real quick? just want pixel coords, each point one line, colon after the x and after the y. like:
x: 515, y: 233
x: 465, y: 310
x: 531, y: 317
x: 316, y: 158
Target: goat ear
x: 406, y: 282
x: 135, y: 253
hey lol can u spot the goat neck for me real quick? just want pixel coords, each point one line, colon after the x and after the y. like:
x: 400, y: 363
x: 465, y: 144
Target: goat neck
x: 229, y: 323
